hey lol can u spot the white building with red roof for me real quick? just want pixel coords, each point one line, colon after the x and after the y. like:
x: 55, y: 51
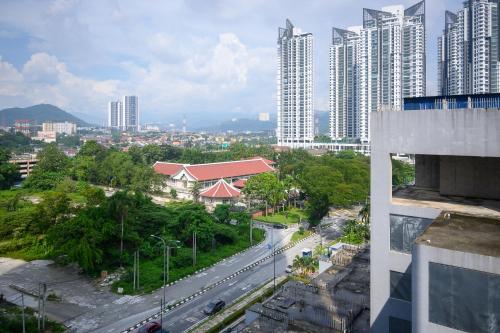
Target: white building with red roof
x: 219, y: 193
x: 182, y: 177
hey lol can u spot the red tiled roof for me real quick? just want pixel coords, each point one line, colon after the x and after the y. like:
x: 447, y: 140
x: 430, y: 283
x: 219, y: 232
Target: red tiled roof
x: 240, y: 183
x: 270, y: 162
x: 221, y: 189
x: 220, y: 170
x: 166, y: 168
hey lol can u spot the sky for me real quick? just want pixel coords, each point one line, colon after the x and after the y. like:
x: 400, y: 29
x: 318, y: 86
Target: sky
x: 207, y: 60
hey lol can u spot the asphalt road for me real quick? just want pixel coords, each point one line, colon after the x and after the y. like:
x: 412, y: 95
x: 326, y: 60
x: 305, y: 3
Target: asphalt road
x: 185, y: 316
x: 135, y: 313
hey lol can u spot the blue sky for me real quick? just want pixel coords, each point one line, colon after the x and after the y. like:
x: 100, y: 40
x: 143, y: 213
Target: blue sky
x: 206, y: 59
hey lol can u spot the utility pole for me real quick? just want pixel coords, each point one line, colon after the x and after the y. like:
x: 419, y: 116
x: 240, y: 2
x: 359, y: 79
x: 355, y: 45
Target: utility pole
x: 320, y: 236
x: 164, y: 263
x: 121, y: 245
x: 251, y: 232
x: 135, y: 269
x: 161, y: 313
x: 39, y: 298
x: 43, y: 305
x: 274, y: 263
x: 194, y: 248
x: 22, y: 303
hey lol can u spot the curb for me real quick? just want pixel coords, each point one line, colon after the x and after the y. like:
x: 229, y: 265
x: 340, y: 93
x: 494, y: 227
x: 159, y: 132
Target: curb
x: 214, y: 264
x: 204, y: 290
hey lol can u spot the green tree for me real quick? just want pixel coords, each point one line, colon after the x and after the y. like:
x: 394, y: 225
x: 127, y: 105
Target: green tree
x: 68, y: 140
x: 85, y: 168
x: 55, y: 208
x: 83, y: 238
x: 51, y: 159
x: 43, y: 180
x: 153, y: 153
x: 117, y: 169
x: 90, y: 149
x: 173, y: 193
x: 402, y: 172
x: 195, y: 191
x: 136, y: 153
x: 9, y: 173
x: 222, y: 213
x: 265, y: 187
x: 317, y: 207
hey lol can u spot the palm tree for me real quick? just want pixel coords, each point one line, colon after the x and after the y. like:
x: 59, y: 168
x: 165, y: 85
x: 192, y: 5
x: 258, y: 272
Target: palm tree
x: 195, y: 191
x: 364, y: 213
x: 298, y: 263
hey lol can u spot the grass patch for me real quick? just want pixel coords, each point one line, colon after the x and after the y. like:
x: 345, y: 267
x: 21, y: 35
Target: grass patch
x: 299, y: 235
x: 291, y: 216
x: 151, y: 271
x: 11, y: 320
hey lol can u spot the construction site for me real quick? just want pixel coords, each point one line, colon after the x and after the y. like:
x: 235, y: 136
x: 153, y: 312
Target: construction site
x: 335, y: 301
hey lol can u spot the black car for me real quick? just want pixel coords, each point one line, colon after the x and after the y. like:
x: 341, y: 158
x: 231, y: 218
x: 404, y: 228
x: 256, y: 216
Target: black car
x: 280, y: 226
x: 213, y: 307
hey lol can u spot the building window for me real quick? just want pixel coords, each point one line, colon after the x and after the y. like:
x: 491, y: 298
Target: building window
x: 400, y: 286
x: 397, y: 325
x: 404, y: 231
x: 464, y: 299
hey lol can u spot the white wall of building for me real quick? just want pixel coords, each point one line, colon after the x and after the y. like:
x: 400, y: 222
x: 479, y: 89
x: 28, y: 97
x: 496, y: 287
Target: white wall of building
x: 431, y: 132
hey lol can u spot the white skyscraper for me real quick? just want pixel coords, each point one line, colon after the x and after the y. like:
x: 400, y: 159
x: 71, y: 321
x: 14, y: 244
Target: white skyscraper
x: 124, y: 115
x: 344, y: 80
x: 115, y: 115
x: 375, y: 67
x: 295, y: 87
x: 468, y: 50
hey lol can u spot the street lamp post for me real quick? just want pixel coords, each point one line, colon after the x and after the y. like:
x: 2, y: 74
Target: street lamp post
x: 164, y: 266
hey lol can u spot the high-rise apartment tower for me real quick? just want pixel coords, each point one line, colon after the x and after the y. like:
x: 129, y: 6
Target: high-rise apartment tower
x: 468, y: 50
x: 124, y: 115
x: 375, y: 66
x: 295, y: 87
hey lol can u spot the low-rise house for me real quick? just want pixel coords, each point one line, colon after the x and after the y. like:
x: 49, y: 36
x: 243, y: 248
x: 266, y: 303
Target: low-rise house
x: 219, y: 193
x: 183, y: 177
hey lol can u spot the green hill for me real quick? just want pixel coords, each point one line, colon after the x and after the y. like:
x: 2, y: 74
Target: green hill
x: 38, y: 114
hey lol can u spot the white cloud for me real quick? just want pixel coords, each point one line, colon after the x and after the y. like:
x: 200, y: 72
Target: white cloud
x: 44, y: 79
x: 10, y: 79
x: 210, y: 75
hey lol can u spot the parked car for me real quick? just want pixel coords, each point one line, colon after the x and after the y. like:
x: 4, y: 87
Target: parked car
x: 289, y: 269
x: 280, y: 226
x: 213, y: 307
x: 152, y: 327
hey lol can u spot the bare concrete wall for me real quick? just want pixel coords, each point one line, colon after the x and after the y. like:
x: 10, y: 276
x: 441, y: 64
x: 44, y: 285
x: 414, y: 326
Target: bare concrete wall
x: 476, y: 177
x: 429, y: 132
x: 427, y: 171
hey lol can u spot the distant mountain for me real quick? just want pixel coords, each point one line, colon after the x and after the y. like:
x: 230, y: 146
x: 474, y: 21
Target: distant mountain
x: 253, y: 125
x: 38, y: 114
x: 91, y: 119
x: 242, y: 125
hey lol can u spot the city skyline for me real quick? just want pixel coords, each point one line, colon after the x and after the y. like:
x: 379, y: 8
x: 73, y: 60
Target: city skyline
x: 375, y: 66
x: 468, y: 50
x: 220, y: 64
